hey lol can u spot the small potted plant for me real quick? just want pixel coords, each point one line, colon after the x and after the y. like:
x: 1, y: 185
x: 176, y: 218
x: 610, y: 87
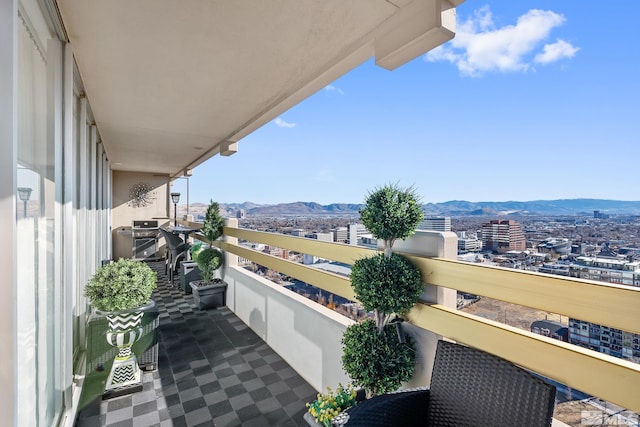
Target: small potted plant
x: 377, y: 354
x: 210, y: 292
x: 121, y: 291
x: 327, y: 406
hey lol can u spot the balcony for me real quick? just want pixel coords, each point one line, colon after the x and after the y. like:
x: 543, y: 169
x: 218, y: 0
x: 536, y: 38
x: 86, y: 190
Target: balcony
x: 285, y: 318
x: 257, y: 331
x: 87, y: 133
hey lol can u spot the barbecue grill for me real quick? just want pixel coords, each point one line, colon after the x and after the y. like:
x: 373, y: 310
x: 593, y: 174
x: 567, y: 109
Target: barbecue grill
x: 144, y: 235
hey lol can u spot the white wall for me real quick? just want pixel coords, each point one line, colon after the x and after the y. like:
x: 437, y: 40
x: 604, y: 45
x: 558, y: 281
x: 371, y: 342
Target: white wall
x: 305, y: 334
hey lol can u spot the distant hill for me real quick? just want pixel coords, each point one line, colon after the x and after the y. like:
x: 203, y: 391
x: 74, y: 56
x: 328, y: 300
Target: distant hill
x: 536, y: 207
x: 453, y: 208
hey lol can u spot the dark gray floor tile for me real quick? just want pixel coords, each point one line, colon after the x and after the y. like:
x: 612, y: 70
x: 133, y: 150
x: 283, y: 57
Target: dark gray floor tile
x: 212, y: 370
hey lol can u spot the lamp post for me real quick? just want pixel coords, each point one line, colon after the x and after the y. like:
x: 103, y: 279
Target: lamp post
x: 24, y: 193
x: 175, y: 198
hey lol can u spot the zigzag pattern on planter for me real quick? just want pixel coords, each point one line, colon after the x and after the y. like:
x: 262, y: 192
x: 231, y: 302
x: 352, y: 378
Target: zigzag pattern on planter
x: 124, y: 321
x: 124, y: 375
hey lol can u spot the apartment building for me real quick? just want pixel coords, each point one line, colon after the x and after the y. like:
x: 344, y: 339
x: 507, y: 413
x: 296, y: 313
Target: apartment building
x: 436, y: 223
x: 469, y: 245
x: 502, y: 236
x: 604, y: 339
x: 340, y: 234
x: 356, y: 232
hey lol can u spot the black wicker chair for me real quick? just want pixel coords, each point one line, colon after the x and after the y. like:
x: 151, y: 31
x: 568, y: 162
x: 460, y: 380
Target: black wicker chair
x: 469, y: 387
x: 176, y: 250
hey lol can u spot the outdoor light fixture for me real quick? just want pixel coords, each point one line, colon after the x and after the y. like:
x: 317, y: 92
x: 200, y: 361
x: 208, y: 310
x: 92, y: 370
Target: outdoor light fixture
x: 175, y: 198
x: 24, y: 193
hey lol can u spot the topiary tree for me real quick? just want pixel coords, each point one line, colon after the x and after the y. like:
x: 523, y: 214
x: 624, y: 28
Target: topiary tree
x: 213, y: 222
x: 210, y: 259
x: 376, y: 356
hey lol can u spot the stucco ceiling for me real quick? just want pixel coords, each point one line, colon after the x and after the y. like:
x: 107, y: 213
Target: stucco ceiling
x: 172, y: 83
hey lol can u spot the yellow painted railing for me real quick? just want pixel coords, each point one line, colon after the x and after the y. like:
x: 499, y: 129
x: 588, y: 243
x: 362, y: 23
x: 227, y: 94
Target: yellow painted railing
x: 607, y: 377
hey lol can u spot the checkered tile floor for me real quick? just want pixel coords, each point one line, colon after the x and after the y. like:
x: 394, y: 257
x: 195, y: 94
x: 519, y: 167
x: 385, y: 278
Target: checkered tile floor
x: 212, y: 371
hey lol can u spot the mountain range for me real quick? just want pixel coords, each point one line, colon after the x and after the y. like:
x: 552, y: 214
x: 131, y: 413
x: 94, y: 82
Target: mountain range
x: 583, y: 207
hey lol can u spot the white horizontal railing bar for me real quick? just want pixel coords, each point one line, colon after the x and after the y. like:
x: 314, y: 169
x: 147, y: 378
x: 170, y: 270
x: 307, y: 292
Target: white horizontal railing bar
x: 602, y: 303
x: 334, y: 283
x: 340, y: 252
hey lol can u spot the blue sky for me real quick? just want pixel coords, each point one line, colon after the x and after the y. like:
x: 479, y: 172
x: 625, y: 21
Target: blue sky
x: 531, y: 100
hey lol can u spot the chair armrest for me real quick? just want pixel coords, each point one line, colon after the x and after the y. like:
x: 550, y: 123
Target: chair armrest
x: 401, y: 409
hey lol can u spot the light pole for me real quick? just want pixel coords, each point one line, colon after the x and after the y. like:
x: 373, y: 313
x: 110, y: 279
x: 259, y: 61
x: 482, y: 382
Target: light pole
x: 175, y: 198
x: 186, y: 177
x: 24, y: 193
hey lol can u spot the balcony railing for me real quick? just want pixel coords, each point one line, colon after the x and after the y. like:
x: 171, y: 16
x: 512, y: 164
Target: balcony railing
x: 612, y: 379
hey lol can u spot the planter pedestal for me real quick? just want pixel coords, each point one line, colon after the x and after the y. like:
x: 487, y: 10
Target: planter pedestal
x: 125, y: 328
x: 209, y: 296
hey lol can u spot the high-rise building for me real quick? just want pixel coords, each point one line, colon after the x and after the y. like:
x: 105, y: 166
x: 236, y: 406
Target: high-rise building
x: 356, y: 231
x: 503, y: 235
x: 436, y: 223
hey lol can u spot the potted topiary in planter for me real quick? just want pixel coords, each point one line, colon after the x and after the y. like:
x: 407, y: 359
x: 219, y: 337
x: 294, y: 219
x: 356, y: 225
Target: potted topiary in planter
x: 121, y: 291
x: 378, y: 355
x: 210, y: 292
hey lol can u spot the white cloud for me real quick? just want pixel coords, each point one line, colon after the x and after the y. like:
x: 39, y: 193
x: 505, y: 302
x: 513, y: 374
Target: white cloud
x: 332, y: 88
x: 281, y: 123
x: 480, y: 47
x: 556, y: 51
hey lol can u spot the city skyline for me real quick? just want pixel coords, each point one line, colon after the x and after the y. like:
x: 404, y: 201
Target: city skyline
x: 530, y: 101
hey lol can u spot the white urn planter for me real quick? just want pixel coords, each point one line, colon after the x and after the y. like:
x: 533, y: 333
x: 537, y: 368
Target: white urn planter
x: 125, y: 328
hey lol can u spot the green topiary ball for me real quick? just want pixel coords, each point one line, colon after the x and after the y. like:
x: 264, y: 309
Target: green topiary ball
x: 392, y: 212
x: 121, y: 285
x: 209, y: 260
x: 390, y: 285
x: 377, y: 362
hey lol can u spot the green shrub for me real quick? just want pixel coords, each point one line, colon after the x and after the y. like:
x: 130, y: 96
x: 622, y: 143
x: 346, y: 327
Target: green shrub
x: 209, y: 260
x: 389, y: 285
x: 379, y: 363
x: 391, y: 213
x: 213, y: 222
x: 121, y: 285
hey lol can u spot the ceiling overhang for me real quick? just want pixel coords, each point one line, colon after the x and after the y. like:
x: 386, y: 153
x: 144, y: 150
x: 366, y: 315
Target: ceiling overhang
x: 173, y: 83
